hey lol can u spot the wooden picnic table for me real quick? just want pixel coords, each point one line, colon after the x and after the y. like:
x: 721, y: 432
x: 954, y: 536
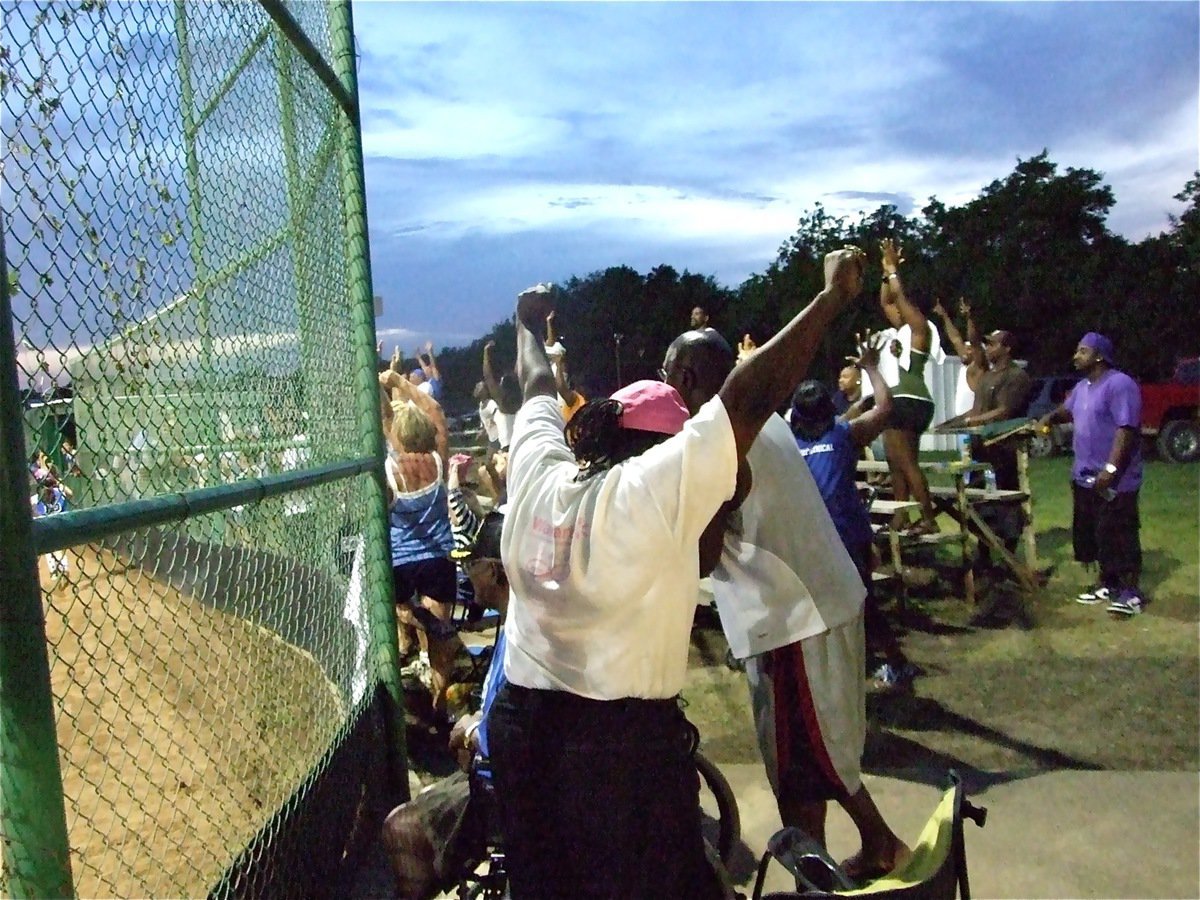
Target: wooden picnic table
x: 1018, y: 432
x: 962, y: 503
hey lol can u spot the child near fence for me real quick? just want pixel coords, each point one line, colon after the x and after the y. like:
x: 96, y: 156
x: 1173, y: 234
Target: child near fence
x: 51, y: 498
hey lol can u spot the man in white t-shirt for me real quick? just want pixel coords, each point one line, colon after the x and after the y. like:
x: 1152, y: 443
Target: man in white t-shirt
x: 791, y: 605
x: 506, y: 392
x: 487, y: 415
x: 609, y: 528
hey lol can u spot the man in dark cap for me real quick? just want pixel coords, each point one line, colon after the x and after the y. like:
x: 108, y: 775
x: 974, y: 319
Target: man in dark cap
x: 1106, y: 476
x: 1002, y: 393
x: 1003, y: 389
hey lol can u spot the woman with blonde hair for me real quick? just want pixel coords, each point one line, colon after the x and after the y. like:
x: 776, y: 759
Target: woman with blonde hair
x: 419, y: 528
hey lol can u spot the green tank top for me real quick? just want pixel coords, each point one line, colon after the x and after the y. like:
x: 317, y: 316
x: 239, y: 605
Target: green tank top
x: 912, y: 379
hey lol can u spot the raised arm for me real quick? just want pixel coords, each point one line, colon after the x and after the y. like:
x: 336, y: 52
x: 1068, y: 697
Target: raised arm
x: 951, y: 331
x: 489, y: 374
x: 761, y: 384
x: 977, y: 360
x: 551, y: 337
x: 909, y: 313
x: 462, y: 517
x: 533, y: 366
x: 745, y: 347
x: 867, y: 426
x: 973, y: 334
x: 404, y: 390
x: 562, y: 381
x: 428, y: 363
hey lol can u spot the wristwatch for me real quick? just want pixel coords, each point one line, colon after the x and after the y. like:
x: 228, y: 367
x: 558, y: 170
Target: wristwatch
x: 1110, y: 468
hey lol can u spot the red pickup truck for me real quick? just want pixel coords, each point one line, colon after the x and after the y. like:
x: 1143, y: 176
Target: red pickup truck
x: 1171, y: 413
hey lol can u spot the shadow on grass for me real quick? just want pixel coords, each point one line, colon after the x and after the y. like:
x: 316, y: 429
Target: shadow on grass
x: 916, y: 619
x: 1157, y: 567
x: 1054, y: 541
x: 890, y: 754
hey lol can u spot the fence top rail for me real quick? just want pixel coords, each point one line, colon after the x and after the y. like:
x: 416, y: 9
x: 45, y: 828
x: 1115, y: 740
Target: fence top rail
x: 69, y: 529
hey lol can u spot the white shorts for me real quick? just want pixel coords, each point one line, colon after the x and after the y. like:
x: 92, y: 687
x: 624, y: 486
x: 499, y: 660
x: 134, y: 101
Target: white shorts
x: 809, y: 702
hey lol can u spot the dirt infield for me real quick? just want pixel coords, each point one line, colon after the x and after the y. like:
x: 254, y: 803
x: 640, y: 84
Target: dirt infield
x: 181, y: 728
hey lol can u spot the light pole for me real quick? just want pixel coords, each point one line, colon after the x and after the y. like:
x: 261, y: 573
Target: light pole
x: 617, y: 336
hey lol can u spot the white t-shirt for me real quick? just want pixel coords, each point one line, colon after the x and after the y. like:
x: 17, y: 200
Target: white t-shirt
x: 964, y: 397
x: 487, y: 417
x: 784, y: 573
x: 889, y: 365
x: 605, y: 571
x: 504, y: 427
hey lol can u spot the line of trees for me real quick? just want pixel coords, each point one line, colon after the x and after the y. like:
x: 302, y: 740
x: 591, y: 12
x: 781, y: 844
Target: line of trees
x: 1032, y: 253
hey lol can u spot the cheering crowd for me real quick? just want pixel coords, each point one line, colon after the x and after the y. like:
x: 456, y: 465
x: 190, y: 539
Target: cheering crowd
x: 601, y: 518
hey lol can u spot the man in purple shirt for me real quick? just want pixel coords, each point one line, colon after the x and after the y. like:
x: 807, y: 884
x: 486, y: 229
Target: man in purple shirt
x: 1106, y: 408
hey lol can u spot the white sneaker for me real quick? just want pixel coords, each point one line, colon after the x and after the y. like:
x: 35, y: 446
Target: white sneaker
x: 1094, y: 595
x: 1128, y: 603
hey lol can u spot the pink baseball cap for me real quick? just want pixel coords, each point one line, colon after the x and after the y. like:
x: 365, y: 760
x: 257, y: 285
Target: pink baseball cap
x: 651, y: 406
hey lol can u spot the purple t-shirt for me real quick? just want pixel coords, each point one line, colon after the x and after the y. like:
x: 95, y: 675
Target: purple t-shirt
x: 1113, y: 401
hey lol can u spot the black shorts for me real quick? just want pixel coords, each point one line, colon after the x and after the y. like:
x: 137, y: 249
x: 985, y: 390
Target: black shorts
x: 1106, y: 531
x: 433, y: 578
x: 910, y: 414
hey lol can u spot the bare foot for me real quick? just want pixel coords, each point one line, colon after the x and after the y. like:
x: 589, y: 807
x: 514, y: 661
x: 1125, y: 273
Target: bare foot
x: 862, y: 869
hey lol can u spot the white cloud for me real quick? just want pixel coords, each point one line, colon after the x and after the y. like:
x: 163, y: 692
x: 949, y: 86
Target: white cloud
x: 646, y: 210
x: 457, y: 131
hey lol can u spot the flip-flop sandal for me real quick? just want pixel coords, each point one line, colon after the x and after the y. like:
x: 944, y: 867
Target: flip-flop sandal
x: 920, y: 528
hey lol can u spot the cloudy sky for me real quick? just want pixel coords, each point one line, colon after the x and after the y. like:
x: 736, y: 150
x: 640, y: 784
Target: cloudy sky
x: 509, y: 143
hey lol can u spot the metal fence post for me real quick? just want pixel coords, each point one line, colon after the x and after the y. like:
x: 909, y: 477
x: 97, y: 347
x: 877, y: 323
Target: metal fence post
x: 385, y: 651
x: 33, y: 823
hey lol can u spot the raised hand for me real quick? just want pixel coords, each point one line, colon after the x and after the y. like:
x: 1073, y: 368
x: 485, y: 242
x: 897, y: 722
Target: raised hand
x: 461, y: 463
x: 487, y: 348
x: 396, y: 360
x: 964, y: 307
x: 534, y: 304
x: 844, y: 272
x: 868, y: 350
x: 892, y: 257
x: 939, y: 309
x: 746, y: 346
x: 429, y: 348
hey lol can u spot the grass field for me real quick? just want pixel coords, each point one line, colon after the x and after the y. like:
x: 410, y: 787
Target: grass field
x: 1170, y: 515
x: 1074, y: 688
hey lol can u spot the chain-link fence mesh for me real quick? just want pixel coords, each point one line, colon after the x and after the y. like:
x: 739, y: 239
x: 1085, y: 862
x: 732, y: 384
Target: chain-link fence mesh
x: 177, y: 246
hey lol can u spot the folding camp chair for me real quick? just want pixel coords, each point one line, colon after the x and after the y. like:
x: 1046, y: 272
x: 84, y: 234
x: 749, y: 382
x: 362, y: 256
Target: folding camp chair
x: 936, y: 871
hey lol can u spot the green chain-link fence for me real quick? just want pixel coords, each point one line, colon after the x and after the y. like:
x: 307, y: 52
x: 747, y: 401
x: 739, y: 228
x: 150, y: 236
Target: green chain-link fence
x: 198, y: 666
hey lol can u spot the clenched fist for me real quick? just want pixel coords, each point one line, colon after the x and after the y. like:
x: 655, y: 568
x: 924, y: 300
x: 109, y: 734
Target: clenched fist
x: 844, y: 272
